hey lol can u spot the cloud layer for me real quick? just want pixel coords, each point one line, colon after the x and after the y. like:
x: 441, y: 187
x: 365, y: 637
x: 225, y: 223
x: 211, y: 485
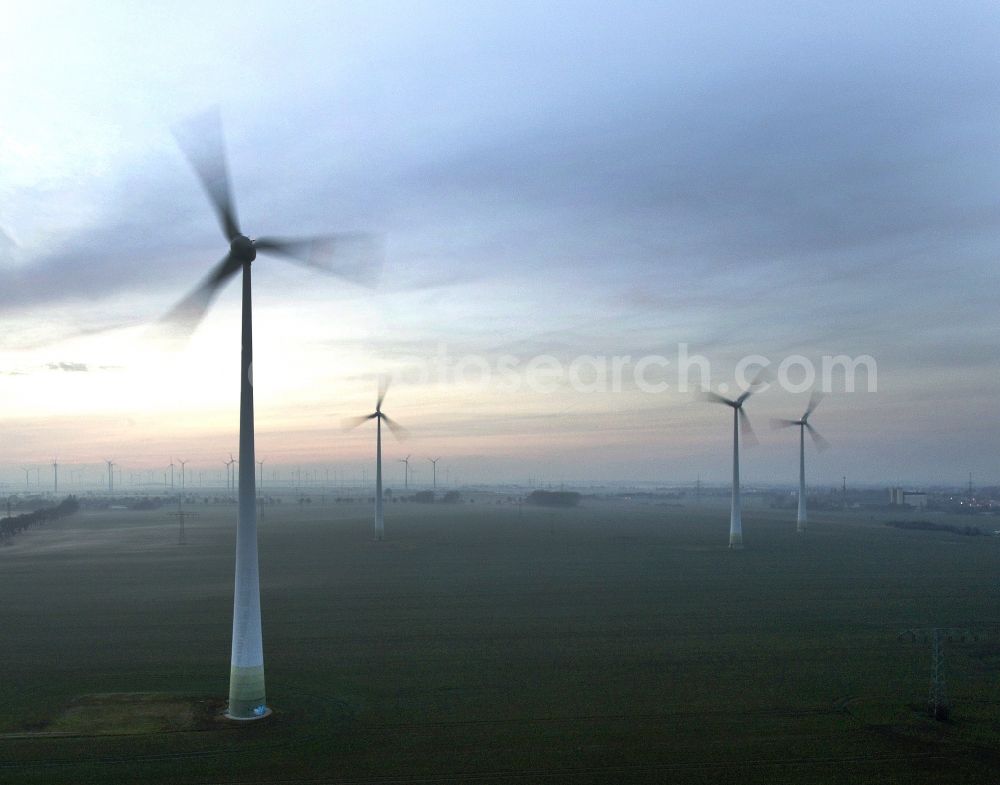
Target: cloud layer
x: 742, y: 177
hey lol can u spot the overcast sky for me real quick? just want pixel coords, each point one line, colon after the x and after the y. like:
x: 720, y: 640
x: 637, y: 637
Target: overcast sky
x: 551, y: 179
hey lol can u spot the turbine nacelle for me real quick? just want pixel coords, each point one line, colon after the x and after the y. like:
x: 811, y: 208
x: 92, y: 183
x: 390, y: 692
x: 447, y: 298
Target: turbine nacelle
x: 242, y: 249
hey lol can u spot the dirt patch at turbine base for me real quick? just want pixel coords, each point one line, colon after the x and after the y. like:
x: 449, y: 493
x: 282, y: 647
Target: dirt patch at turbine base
x: 133, y: 713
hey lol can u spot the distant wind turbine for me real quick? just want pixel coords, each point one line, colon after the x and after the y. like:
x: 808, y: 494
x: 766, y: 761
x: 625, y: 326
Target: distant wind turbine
x: 821, y: 444
x: 230, y: 472
x: 203, y: 145
x: 183, y: 474
x: 406, y: 471
x: 398, y: 431
x: 741, y: 422
x: 55, y: 476
x: 434, y: 463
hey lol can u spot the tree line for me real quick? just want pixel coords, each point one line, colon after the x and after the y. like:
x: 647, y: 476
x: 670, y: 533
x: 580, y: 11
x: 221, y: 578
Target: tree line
x: 18, y: 523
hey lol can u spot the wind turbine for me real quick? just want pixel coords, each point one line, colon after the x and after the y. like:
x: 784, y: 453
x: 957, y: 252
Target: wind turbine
x: 398, y: 431
x: 821, y: 444
x: 171, y: 473
x: 111, y: 475
x: 434, y: 463
x: 55, y: 476
x: 183, y: 474
x: 406, y: 471
x: 230, y: 472
x: 203, y: 146
x: 741, y: 422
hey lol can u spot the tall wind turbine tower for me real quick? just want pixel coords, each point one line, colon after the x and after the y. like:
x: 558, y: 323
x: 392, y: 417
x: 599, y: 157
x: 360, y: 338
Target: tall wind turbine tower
x: 55, y: 476
x: 183, y: 474
x: 821, y: 444
x: 398, y: 431
x: 202, y: 143
x: 740, y: 423
x: 111, y: 475
x: 171, y: 473
x: 434, y: 470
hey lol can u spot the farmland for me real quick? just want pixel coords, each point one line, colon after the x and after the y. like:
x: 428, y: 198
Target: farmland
x: 615, y: 642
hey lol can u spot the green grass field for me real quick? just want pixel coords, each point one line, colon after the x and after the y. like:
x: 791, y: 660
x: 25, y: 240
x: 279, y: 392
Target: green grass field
x: 614, y: 643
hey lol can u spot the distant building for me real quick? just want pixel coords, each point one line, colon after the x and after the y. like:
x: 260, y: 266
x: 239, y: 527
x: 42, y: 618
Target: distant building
x: 900, y: 497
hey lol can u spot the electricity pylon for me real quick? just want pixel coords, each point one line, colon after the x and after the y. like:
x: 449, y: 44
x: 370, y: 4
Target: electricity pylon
x: 181, y: 515
x: 938, y: 698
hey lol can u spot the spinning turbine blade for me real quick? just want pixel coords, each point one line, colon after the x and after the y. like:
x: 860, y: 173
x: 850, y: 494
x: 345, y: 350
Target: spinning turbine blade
x: 397, y: 430
x: 814, y: 400
x: 758, y: 380
x: 383, y: 388
x: 712, y: 397
x: 354, y: 256
x: 819, y: 441
x: 188, y: 313
x: 353, y: 422
x: 749, y: 437
x: 776, y: 424
x: 743, y: 396
x: 200, y: 139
